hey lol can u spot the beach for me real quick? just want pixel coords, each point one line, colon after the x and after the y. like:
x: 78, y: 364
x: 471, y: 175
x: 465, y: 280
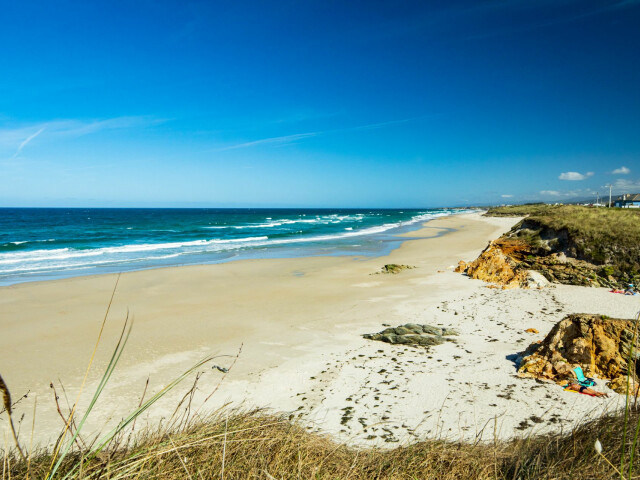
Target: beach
x: 290, y: 333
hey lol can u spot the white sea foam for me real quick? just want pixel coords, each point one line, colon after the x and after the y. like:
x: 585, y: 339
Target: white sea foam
x: 319, y: 220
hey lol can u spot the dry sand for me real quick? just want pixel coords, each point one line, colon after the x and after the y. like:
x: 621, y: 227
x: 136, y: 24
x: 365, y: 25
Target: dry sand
x: 299, y: 322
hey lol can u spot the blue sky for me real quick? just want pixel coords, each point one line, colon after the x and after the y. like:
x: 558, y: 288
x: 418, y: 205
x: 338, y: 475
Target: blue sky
x: 324, y: 104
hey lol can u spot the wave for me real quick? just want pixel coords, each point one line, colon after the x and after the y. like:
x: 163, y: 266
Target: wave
x: 318, y: 220
x: 64, y: 253
x: 69, y: 258
x: 21, y: 244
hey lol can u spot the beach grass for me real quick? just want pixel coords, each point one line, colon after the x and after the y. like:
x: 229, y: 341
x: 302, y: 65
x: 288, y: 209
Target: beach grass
x: 256, y: 445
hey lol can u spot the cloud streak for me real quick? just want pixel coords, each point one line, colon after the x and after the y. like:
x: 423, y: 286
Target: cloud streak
x: 20, y: 136
x: 288, y: 139
x: 26, y: 141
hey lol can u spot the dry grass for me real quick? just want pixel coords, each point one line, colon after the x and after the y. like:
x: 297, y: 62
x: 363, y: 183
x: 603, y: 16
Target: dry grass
x: 253, y: 445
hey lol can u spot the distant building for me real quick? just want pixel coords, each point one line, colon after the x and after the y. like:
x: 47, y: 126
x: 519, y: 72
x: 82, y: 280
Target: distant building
x: 628, y: 200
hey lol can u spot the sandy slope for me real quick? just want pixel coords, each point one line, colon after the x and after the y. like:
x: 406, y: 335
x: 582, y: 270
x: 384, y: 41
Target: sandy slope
x: 299, y: 322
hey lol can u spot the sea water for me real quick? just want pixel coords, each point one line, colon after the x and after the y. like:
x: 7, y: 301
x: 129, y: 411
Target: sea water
x: 47, y: 243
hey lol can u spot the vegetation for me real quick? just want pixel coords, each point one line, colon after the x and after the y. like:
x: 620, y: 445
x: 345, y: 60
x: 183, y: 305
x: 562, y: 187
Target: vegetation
x: 253, y: 445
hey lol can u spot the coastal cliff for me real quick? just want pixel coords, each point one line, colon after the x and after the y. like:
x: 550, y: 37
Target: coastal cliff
x: 566, y: 244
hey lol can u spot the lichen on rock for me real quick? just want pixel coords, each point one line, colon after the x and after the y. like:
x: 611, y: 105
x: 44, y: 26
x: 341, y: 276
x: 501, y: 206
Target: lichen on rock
x: 601, y: 346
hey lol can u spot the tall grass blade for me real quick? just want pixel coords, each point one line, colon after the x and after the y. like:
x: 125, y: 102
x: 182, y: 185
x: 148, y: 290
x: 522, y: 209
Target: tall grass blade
x: 124, y: 336
x: 86, y: 375
x: 632, y: 365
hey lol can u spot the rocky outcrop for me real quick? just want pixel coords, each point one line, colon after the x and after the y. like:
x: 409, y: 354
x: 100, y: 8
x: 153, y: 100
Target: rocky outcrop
x: 394, y: 268
x: 497, y: 264
x: 522, y: 259
x: 414, y: 334
x: 598, y: 344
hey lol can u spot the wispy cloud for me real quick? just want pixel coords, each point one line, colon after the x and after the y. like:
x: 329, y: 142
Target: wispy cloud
x: 623, y: 185
x: 273, y: 140
x: 621, y: 171
x: 574, y: 176
x: 287, y: 139
x: 26, y: 141
x: 18, y: 137
x: 506, y: 196
x: 568, y: 193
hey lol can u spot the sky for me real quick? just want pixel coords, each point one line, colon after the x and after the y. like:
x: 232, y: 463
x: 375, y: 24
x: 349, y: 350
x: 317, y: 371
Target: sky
x: 317, y: 103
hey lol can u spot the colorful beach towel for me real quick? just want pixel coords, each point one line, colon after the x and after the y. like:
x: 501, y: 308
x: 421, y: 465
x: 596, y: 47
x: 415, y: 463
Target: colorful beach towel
x: 576, y: 388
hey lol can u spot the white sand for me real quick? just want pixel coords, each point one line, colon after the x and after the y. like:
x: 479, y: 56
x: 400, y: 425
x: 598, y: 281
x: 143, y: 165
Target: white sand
x: 300, y: 322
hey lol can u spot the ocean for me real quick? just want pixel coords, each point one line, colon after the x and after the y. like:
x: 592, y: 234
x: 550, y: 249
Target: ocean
x: 49, y: 243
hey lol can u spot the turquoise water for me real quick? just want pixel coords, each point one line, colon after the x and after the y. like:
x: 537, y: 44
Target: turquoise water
x: 39, y: 244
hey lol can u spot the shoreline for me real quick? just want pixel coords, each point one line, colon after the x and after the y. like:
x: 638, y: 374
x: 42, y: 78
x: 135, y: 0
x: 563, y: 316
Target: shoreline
x: 373, y: 244
x: 300, y: 322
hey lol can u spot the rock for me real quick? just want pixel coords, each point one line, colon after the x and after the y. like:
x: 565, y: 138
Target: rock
x: 495, y: 265
x: 598, y: 344
x: 620, y: 385
x: 388, y: 338
x: 560, y: 257
x: 462, y: 266
x: 403, y: 331
x: 429, y: 340
x: 414, y: 334
x: 414, y: 327
x: 407, y: 339
x: 431, y: 330
x: 531, y: 330
x: 536, y: 279
x: 450, y: 331
x: 395, y: 268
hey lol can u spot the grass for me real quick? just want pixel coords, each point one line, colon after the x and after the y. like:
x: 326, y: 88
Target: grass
x: 254, y: 445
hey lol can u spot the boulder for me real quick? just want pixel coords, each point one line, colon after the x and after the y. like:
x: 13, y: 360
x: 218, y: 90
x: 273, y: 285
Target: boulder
x: 496, y: 265
x: 462, y: 266
x: 394, y: 268
x: 536, y: 279
x: 414, y: 334
x: 598, y: 344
